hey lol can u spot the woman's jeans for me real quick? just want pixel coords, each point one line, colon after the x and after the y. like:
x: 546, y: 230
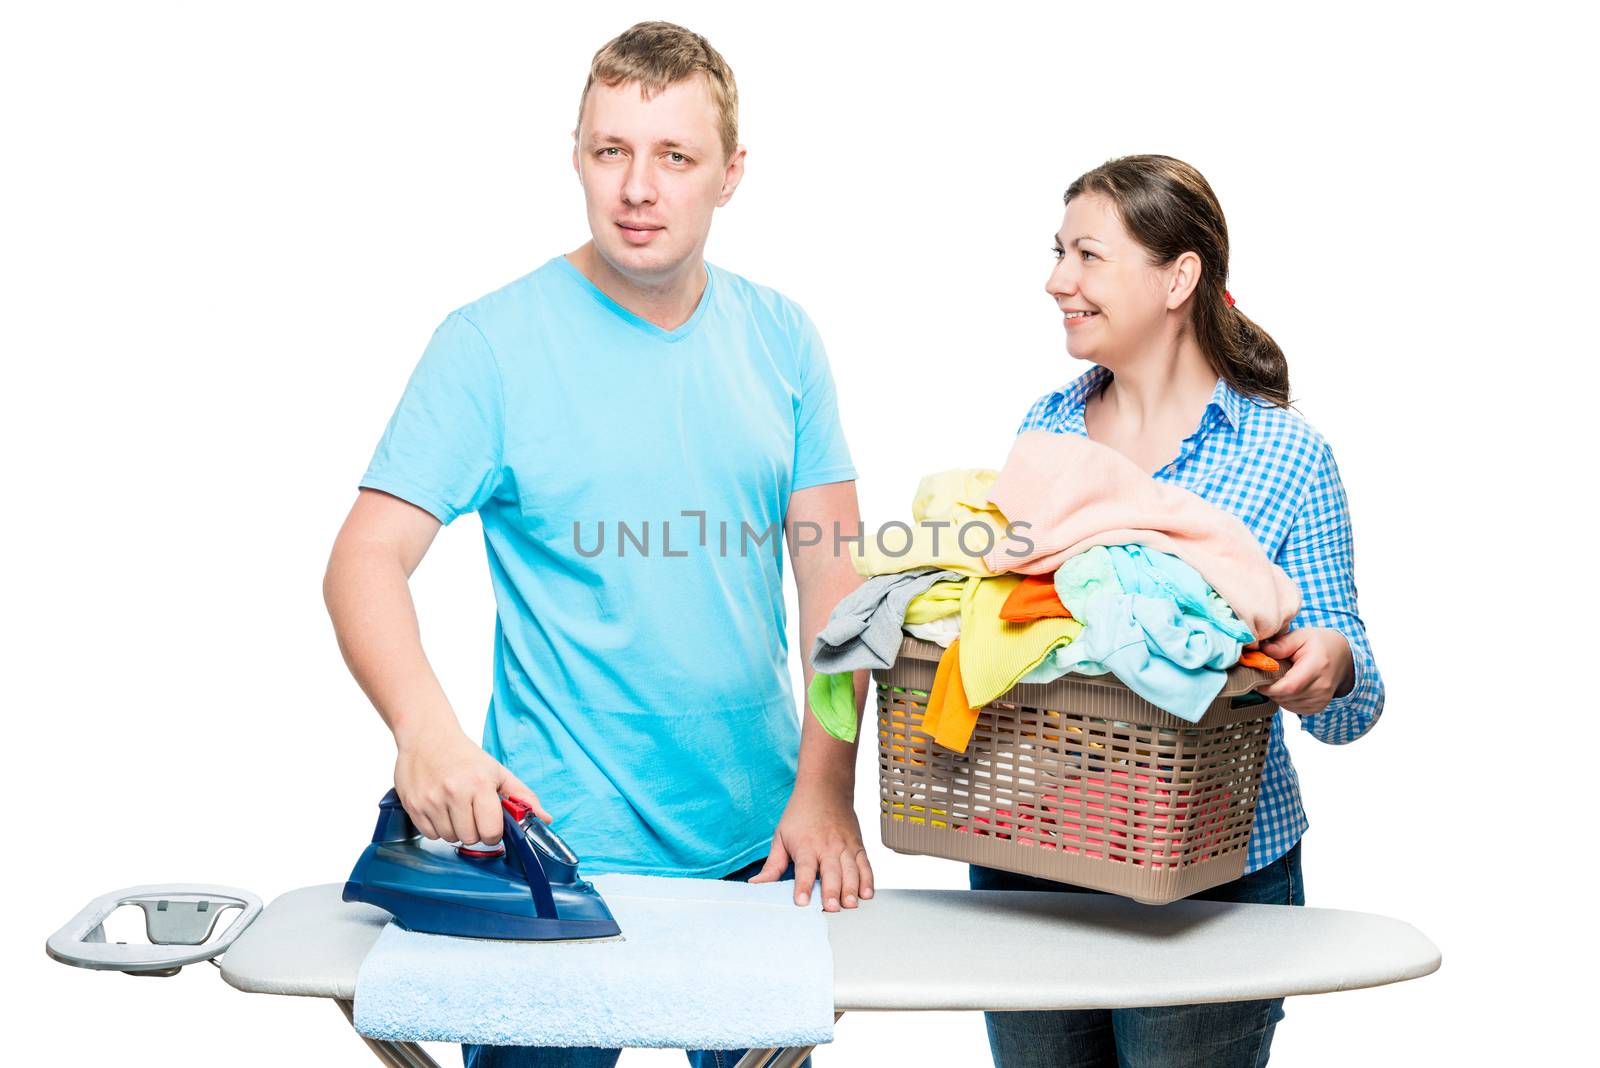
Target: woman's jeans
x: 591, y: 1057
x: 1235, y: 1034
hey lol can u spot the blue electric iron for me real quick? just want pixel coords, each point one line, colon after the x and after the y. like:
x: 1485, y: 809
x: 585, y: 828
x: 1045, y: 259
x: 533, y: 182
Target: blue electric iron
x: 525, y: 887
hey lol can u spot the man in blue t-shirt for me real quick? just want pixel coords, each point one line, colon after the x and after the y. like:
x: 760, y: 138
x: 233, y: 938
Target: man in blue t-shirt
x: 639, y: 432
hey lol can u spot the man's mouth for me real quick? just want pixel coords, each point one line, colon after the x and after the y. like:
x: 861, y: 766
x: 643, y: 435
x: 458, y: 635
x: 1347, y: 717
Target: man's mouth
x: 639, y: 233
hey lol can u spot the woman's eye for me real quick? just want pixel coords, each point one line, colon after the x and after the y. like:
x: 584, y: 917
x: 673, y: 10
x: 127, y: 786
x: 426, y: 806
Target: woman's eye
x: 1087, y: 254
x: 1057, y: 252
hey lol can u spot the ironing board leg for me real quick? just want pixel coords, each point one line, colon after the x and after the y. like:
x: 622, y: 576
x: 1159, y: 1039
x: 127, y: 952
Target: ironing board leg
x: 788, y: 1057
x: 392, y: 1054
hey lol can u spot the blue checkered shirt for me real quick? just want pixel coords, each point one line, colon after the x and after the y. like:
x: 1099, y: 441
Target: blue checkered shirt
x: 1267, y: 466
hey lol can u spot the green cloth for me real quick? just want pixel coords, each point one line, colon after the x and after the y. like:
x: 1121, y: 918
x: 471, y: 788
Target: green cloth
x: 833, y: 701
x: 1087, y: 575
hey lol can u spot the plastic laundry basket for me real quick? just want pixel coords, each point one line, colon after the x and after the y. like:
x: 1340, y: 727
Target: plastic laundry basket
x: 1079, y: 781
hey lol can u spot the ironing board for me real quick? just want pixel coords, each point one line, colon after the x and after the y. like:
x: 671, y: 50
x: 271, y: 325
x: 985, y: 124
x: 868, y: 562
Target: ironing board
x: 911, y: 950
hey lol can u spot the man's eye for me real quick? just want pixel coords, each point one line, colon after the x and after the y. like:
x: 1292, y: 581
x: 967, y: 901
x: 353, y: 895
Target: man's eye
x: 677, y: 157
x: 611, y: 151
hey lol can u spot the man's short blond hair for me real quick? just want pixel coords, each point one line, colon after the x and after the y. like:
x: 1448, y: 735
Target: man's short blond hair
x: 660, y: 54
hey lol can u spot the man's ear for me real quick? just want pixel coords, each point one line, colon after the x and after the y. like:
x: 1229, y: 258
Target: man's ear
x: 1183, y: 276
x: 731, y: 176
x: 576, y: 166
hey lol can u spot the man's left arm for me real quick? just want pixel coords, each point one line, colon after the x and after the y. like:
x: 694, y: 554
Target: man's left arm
x: 819, y: 830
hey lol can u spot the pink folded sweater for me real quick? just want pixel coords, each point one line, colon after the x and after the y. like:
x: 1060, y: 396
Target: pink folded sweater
x: 1075, y: 493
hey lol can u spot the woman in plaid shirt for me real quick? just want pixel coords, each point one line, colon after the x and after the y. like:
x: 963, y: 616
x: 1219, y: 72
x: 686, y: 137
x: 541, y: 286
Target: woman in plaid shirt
x: 1189, y: 388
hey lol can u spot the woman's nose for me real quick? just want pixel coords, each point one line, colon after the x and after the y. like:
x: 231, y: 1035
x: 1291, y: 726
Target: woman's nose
x: 1063, y: 280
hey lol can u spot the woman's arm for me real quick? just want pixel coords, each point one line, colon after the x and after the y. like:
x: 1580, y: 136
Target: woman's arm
x: 1320, y: 556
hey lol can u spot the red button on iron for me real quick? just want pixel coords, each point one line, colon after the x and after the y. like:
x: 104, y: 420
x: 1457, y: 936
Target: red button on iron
x: 518, y: 809
x: 482, y: 851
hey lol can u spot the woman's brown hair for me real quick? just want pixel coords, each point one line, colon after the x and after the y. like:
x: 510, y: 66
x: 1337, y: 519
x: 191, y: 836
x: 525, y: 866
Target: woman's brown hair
x: 1169, y: 208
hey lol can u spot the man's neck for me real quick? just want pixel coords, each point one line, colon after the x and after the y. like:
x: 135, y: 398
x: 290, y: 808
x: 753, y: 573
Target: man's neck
x: 668, y: 304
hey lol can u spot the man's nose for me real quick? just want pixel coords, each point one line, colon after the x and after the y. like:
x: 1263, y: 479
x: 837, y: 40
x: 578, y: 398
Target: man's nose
x: 638, y: 188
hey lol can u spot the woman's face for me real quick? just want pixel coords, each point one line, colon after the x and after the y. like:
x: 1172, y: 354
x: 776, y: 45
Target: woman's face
x: 1113, y: 301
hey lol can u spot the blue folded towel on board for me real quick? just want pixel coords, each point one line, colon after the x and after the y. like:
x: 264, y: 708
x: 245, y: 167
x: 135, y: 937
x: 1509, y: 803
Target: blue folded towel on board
x: 702, y: 964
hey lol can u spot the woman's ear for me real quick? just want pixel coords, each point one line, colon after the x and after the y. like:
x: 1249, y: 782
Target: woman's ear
x: 1182, y: 277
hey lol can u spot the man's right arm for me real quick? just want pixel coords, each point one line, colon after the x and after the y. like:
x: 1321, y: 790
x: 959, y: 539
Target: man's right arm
x: 449, y: 786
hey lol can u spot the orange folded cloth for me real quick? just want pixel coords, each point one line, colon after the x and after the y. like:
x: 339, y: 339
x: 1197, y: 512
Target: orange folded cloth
x: 1035, y: 598
x: 1253, y: 657
x: 948, y: 719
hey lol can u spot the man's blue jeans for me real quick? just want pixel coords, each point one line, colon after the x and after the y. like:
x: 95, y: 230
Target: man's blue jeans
x: 1235, y: 1034
x: 591, y: 1057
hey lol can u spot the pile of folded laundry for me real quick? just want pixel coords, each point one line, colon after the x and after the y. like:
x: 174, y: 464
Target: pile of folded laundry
x: 1069, y: 559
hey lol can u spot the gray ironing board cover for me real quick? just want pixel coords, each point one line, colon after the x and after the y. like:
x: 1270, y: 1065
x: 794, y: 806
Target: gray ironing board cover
x: 960, y: 950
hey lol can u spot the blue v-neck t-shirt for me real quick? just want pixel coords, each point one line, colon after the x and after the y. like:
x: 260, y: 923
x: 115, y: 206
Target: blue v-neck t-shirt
x: 632, y: 484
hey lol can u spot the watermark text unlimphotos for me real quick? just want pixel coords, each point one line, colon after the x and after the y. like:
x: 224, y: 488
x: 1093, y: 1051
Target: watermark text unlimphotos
x: 691, y: 531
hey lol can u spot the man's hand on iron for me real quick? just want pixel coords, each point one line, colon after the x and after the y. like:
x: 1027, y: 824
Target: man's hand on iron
x: 451, y: 788
x: 820, y: 833
x: 1320, y: 668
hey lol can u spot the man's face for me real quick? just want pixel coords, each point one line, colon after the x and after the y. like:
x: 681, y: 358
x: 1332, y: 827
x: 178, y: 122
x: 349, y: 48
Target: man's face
x: 653, y: 172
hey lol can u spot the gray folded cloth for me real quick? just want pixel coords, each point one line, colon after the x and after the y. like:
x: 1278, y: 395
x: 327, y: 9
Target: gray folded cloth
x: 864, y: 629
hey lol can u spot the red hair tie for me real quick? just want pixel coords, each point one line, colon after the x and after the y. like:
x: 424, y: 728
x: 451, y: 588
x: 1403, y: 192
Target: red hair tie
x: 1227, y: 297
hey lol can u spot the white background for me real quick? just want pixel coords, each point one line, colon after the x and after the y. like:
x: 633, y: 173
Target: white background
x: 229, y: 231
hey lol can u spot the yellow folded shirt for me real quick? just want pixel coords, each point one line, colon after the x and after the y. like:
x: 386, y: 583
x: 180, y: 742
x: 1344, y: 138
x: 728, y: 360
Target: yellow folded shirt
x: 946, y: 503
x: 994, y: 653
x: 934, y: 603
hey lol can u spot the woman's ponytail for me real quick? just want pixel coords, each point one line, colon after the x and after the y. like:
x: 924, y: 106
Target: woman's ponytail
x: 1242, y: 354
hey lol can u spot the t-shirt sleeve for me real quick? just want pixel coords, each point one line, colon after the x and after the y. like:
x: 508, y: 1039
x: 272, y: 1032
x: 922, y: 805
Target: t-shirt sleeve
x: 820, y: 452
x: 441, y: 450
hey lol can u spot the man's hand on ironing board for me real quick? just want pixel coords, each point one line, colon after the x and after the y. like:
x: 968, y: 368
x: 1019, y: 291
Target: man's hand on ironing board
x: 820, y: 833
x: 451, y: 789
x: 819, y: 830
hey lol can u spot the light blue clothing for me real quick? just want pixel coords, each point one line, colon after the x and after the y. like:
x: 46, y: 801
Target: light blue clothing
x: 1152, y: 621
x: 641, y: 682
x: 1271, y: 468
